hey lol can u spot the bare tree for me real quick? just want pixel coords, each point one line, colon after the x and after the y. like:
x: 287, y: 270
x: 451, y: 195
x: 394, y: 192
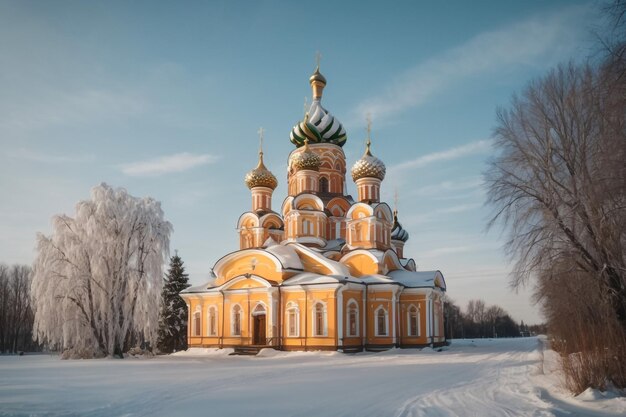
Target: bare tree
x: 558, y: 186
x: 558, y: 182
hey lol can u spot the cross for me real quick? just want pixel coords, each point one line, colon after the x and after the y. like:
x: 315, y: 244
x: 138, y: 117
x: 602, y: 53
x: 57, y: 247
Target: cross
x: 369, y: 125
x: 318, y: 57
x: 395, y: 201
x: 305, y: 105
x: 260, y: 132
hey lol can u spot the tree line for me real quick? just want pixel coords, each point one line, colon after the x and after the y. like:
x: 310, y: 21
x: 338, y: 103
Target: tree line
x: 16, y: 312
x: 480, y: 320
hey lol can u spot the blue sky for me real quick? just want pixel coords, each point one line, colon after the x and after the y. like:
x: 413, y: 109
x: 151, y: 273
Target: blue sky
x: 165, y: 99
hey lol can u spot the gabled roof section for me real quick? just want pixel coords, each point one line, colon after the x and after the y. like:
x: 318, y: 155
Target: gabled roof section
x: 419, y: 279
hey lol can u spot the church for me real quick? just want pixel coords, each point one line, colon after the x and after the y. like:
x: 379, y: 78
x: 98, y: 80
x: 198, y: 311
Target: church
x: 326, y: 271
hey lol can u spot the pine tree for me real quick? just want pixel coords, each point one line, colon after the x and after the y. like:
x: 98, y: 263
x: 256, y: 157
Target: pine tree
x: 173, y: 318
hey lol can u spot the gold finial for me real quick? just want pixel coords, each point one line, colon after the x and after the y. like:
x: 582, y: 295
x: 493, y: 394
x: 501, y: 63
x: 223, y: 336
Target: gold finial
x: 317, y: 80
x: 318, y: 57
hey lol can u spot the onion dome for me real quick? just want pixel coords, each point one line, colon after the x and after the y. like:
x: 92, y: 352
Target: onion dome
x: 318, y: 126
x: 368, y: 166
x: 397, y: 231
x: 261, y: 176
x: 307, y: 159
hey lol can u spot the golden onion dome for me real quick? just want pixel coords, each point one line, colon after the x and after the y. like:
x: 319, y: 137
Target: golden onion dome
x: 368, y: 166
x: 261, y: 176
x: 306, y: 159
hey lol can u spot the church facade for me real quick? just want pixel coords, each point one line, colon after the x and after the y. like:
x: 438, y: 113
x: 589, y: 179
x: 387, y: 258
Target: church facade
x: 326, y: 271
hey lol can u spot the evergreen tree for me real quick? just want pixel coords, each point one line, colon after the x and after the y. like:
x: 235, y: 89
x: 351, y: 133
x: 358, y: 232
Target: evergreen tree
x: 173, y: 319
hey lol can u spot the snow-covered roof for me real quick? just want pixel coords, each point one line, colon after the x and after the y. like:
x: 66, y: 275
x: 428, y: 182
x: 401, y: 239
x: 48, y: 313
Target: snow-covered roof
x: 417, y: 279
x: 377, y: 279
x: 199, y: 288
x: 287, y: 256
x: 308, y: 278
x: 335, y: 267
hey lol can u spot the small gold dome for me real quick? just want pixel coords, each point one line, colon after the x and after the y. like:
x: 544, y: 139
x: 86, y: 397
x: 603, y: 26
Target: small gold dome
x: 368, y: 166
x: 261, y: 176
x: 307, y: 159
x: 317, y: 77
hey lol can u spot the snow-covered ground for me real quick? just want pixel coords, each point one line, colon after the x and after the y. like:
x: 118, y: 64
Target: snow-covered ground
x: 472, y: 378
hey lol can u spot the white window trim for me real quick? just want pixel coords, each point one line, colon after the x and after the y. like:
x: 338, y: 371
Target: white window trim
x: 408, y: 321
x: 352, y: 302
x: 376, y: 329
x: 293, y: 306
x: 232, y: 320
x: 324, y: 319
x: 212, y: 308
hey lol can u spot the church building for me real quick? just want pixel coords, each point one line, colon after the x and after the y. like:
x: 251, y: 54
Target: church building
x: 324, y: 272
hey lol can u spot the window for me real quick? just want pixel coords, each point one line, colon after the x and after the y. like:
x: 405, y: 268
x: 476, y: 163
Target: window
x: 307, y: 227
x: 413, y: 321
x: 353, y: 318
x: 235, y: 328
x: 196, y: 321
x: 212, y: 321
x: 436, y: 319
x: 319, y: 320
x: 323, y: 185
x: 293, y: 320
x: 381, y: 322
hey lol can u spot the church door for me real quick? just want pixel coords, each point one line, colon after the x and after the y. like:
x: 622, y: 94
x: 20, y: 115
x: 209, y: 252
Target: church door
x: 259, y: 329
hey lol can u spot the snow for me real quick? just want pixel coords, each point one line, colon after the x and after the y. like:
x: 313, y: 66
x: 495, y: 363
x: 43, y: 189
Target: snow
x: 500, y: 377
x: 287, y: 256
x: 415, y: 278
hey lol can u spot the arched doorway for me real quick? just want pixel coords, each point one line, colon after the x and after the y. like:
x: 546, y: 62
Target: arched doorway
x: 259, y: 325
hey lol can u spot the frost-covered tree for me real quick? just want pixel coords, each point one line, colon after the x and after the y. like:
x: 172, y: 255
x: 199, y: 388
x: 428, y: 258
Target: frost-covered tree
x: 173, y: 320
x: 97, y: 279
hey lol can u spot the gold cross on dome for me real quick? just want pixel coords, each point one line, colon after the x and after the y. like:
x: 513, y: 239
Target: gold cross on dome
x: 395, y: 201
x: 305, y: 105
x: 369, y: 125
x: 318, y: 57
x: 260, y: 132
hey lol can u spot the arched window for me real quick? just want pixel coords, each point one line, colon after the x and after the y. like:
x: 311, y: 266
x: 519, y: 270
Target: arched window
x: 212, y: 321
x: 413, y: 321
x: 381, y: 321
x: 197, y: 317
x: 293, y: 319
x: 353, y: 318
x: 323, y: 185
x: 319, y: 320
x: 235, y: 326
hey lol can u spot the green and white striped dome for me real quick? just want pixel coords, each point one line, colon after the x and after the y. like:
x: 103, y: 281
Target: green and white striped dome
x: 319, y: 126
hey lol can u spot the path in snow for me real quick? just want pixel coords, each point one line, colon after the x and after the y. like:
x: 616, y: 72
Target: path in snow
x: 482, y: 378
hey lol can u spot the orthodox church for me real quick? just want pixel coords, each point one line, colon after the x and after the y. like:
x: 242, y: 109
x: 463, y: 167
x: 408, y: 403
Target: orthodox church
x: 326, y: 271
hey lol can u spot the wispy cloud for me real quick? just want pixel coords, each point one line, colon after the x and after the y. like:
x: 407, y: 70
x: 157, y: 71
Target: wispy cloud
x: 37, y: 156
x: 449, y: 186
x: 471, y: 148
x: 50, y: 108
x: 540, y: 40
x: 446, y: 250
x: 167, y: 164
